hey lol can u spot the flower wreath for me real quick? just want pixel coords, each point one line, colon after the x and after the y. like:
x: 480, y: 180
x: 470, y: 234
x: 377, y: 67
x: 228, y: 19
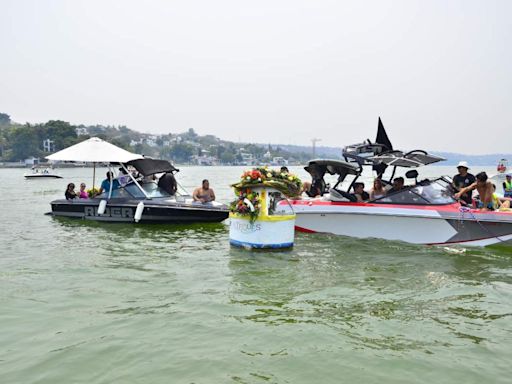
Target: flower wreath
x: 287, y: 183
x: 247, y: 203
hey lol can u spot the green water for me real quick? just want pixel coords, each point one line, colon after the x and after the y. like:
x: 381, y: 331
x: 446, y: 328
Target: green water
x: 84, y: 302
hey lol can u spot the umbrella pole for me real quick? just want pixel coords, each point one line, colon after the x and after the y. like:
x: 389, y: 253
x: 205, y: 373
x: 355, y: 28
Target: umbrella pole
x: 93, y: 175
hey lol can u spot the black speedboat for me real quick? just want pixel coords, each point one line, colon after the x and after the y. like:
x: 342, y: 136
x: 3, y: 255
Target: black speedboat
x: 134, y: 195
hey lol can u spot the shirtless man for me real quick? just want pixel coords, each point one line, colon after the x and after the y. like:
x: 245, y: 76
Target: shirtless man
x: 485, y: 190
x: 204, y: 194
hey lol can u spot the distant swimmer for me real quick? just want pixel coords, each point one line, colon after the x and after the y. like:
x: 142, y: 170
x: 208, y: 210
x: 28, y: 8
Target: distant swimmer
x: 204, y: 194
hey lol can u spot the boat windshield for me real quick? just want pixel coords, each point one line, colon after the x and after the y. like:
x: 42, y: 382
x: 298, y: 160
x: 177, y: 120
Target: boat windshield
x: 437, y: 192
x: 151, y: 189
x: 132, y: 190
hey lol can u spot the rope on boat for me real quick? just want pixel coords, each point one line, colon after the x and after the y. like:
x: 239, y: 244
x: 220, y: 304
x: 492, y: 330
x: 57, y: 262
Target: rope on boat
x: 463, y: 210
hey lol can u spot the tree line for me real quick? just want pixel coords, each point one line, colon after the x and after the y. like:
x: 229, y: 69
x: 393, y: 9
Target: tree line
x: 21, y: 141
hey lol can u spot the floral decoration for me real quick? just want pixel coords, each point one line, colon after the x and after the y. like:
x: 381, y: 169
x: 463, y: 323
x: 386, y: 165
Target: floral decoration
x: 247, y: 202
x: 92, y: 192
x: 287, y: 183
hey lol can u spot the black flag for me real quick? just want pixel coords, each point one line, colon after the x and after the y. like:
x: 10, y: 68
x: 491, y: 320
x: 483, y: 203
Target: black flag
x: 382, y: 137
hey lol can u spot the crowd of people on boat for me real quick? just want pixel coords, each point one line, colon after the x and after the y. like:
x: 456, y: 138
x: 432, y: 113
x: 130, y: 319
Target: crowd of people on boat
x: 464, y: 183
x: 167, y: 182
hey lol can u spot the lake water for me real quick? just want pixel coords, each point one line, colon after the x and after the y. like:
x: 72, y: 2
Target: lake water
x: 84, y: 302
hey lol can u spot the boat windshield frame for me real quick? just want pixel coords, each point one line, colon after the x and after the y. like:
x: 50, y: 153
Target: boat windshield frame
x: 427, y: 192
x: 317, y: 168
x: 147, y: 190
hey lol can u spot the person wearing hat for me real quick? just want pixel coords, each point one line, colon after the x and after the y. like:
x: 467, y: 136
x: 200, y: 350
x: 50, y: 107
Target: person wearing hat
x: 507, y: 186
x: 462, y: 180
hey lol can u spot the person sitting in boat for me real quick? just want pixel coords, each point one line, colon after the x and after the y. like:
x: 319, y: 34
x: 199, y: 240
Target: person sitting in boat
x: 485, y: 190
x: 359, y: 193
x: 398, y: 184
x: 284, y: 169
x: 499, y: 202
x: 70, y: 192
x: 462, y: 180
x: 83, y: 193
x: 168, y: 183
x: 507, y: 186
x: 105, y: 184
x: 315, y: 188
x: 378, y: 190
x: 204, y: 193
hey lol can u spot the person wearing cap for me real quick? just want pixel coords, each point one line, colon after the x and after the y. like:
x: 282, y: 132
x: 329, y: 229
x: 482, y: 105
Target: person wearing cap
x: 462, y: 180
x: 507, y: 185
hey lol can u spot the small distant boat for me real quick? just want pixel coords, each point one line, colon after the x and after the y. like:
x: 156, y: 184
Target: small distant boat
x: 502, y: 166
x: 42, y: 173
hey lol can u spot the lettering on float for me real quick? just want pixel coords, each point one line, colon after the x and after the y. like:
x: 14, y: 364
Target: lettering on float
x: 121, y: 212
x: 245, y: 227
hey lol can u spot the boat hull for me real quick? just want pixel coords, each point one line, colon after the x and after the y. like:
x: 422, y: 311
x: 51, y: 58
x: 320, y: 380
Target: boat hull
x: 42, y: 176
x: 155, y: 211
x: 413, y: 224
x: 268, y: 233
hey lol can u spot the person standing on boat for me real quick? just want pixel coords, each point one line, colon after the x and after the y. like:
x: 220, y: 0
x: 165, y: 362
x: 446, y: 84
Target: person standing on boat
x: 105, y: 184
x: 204, y: 194
x: 507, y: 185
x: 462, y: 180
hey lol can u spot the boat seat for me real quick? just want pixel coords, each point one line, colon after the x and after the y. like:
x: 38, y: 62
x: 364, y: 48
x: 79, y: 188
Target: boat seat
x: 335, y: 195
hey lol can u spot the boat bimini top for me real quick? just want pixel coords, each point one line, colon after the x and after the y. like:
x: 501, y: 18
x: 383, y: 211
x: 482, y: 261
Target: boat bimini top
x: 381, y: 154
x: 148, y: 166
x: 317, y: 168
x: 412, y: 159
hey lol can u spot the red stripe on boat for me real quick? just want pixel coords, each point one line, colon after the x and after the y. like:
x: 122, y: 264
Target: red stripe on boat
x: 301, y: 229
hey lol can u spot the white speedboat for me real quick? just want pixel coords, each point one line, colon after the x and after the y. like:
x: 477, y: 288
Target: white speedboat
x: 42, y: 173
x: 423, y: 213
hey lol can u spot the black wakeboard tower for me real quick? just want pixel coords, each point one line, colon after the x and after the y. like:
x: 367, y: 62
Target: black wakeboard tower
x: 381, y: 154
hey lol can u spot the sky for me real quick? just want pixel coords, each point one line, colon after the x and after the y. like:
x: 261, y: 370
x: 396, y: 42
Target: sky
x: 438, y: 73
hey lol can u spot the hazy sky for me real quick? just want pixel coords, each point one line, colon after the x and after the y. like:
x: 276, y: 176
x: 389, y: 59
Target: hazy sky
x: 439, y: 73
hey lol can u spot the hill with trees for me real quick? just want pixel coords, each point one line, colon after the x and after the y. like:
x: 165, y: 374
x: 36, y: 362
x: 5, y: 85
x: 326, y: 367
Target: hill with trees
x: 22, y: 141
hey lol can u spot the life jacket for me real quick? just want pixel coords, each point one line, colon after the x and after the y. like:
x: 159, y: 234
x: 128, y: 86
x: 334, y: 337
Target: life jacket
x: 508, y: 186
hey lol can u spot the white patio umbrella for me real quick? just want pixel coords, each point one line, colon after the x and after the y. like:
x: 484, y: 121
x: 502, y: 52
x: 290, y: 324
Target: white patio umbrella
x: 94, y: 150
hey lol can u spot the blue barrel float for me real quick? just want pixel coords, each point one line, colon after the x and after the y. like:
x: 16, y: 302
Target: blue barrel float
x: 257, y: 220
